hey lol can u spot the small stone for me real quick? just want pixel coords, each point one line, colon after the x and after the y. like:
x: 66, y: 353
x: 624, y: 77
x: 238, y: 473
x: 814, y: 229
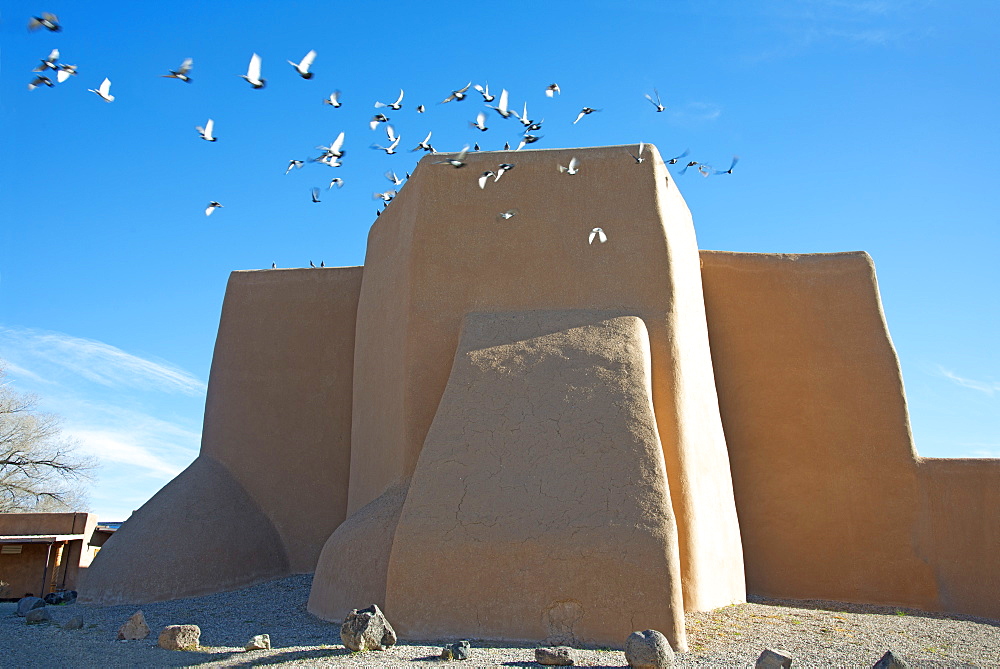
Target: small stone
x: 367, y: 629
x: 456, y: 651
x: 259, y: 642
x: 179, y: 637
x: 135, y: 628
x: 773, y: 659
x: 648, y: 650
x: 74, y: 623
x: 891, y: 661
x: 40, y: 615
x: 561, y: 656
x: 28, y: 603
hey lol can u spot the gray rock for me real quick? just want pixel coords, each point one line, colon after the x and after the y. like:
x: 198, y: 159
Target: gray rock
x: 179, y: 637
x: 259, y: 642
x: 648, y: 650
x: 39, y: 615
x: 367, y: 629
x: 74, y: 623
x: 773, y: 659
x: 891, y: 661
x: 135, y: 628
x: 560, y: 656
x: 26, y: 604
x: 456, y: 651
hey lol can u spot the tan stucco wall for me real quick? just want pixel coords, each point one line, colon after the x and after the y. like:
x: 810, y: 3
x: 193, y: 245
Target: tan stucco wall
x: 440, y: 251
x: 831, y: 499
x: 23, y: 572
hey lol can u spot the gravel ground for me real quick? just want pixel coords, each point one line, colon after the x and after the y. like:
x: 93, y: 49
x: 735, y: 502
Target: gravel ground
x: 814, y: 633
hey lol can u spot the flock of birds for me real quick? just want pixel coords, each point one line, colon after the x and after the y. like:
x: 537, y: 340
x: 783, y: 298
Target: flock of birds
x: 331, y: 155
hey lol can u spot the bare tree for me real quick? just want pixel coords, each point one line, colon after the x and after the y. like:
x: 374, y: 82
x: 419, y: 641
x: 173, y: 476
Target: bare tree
x: 39, y: 468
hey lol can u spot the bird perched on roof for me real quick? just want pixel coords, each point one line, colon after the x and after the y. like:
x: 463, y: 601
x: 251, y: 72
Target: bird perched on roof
x: 206, y: 132
x: 104, y: 90
x: 598, y: 234
x: 552, y: 89
x: 293, y: 163
x: 40, y: 80
x: 333, y: 100
x: 46, y: 20
x: 311, y: 264
x: 181, y: 72
x: 736, y: 159
x: 303, y: 67
x: 395, y: 106
x: 656, y: 103
x: 584, y: 112
x: 274, y: 265
x: 48, y: 63
x: 573, y: 167
x: 638, y: 156
x: 253, y: 73
x: 673, y: 161
x: 458, y: 95
x: 485, y: 92
x: 456, y: 161
x: 480, y: 122
x: 501, y: 107
x: 425, y: 144
x: 314, y: 192
x: 212, y: 206
x: 378, y: 118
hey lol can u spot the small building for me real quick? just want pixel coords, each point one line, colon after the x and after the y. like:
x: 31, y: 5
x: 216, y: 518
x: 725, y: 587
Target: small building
x: 44, y: 552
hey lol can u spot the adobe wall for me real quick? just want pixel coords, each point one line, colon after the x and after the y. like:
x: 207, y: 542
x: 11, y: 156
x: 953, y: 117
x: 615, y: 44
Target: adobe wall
x: 832, y: 499
x: 23, y: 572
x: 440, y: 250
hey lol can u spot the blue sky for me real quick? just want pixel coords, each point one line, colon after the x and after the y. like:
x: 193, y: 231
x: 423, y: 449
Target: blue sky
x: 861, y: 125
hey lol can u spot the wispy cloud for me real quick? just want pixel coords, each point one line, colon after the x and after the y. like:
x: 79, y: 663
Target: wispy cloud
x: 696, y: 112
x: 95, y: 361
x: 988, y: 387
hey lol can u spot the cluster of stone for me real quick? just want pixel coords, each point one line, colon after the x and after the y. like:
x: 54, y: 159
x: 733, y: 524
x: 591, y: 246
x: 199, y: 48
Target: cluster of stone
x: 456, y: 651
x: 779, y: 659
x: 367, y: 629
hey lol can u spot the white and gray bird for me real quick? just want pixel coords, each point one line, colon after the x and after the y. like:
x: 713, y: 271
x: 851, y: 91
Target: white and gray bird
x: 425, y: 144
x: 212, y: 206
x: 421, y: 109
x: 391, y: 176
x: 378, y: 118
x: 480, y: 122
x: 523, y: 118
x: 527, y: 139
x: 673, y: 161
x: 584, y: 112
x: 390, y: 133
x: 315, y: 198
x: 104, y: 90
x: 65, y: 72
x: 46, y: 20
x: 574, y: 166
x: 597, y: 234
x: 485, y: 176
x: 336, y: 181
x: 333, y: 100
x: 206, y: 132
x: 389, y: 150
x: 48, y: 63
x: 328, y: 160
x: 40, y: 80
x: 507, y: 215
x: 501, y: 107
x: 552, y: 89
x: 387, y: 196
x: 736, y: 159
x: 504, y: 167
x: 656, y: 103
x: 638, y: 156
x: 181, y: 72
x: 485, y: 92
x: 395, y: 106
x: 334, y: 149
x: 456, y: 161
x: 303, y: 67
x: 458, y: 95
x: 293, y: 163
x: 253, y: 72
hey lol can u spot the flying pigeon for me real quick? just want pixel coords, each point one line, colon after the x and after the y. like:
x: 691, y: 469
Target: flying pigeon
x: 504, y: 167
x: 704, y: 170
x: 421, y: 109
x: 390, y: 133
x: 328, y: 160
x: 46, y: 20
x: 638, y: 157
x: 457, y: 161
x: 656, y: 103
x: 181, y: 72
x: 691, y: 164
x: 573, y: 167
x: 457, y: 95
x: 480, y: 122
x: 552, y: 89
x: 294, y: 163
x: 39, y: 81
x: 673, y: 161
x: 501, y: 107
x: 736, y: 159
x: 65, y: 72
x: 333, y: 100
x: 104, y: 90
x: 378, y: 118
x: 485, y: 92
x: 206, y: 132
x: 212, y: 206
x: 385, y: 197
x: 485, y: 177
x: 389, y: 150
x: 523, y: 118
x: 334, y: 148
x: 527, y: 139
x: 391, y: 176
x: 315, y: 198
x: 425, y: 144
x: 599, y: 234
x: 506, y: 215
x: 48, y: 63
x: 303, y: 67
x: 584, y: 112
x: 253, y: 73
x: 395, y: 106
x: 336, y: 181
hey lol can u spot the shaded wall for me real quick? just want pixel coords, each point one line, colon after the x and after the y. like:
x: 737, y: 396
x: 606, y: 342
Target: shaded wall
x: 24, y: 572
